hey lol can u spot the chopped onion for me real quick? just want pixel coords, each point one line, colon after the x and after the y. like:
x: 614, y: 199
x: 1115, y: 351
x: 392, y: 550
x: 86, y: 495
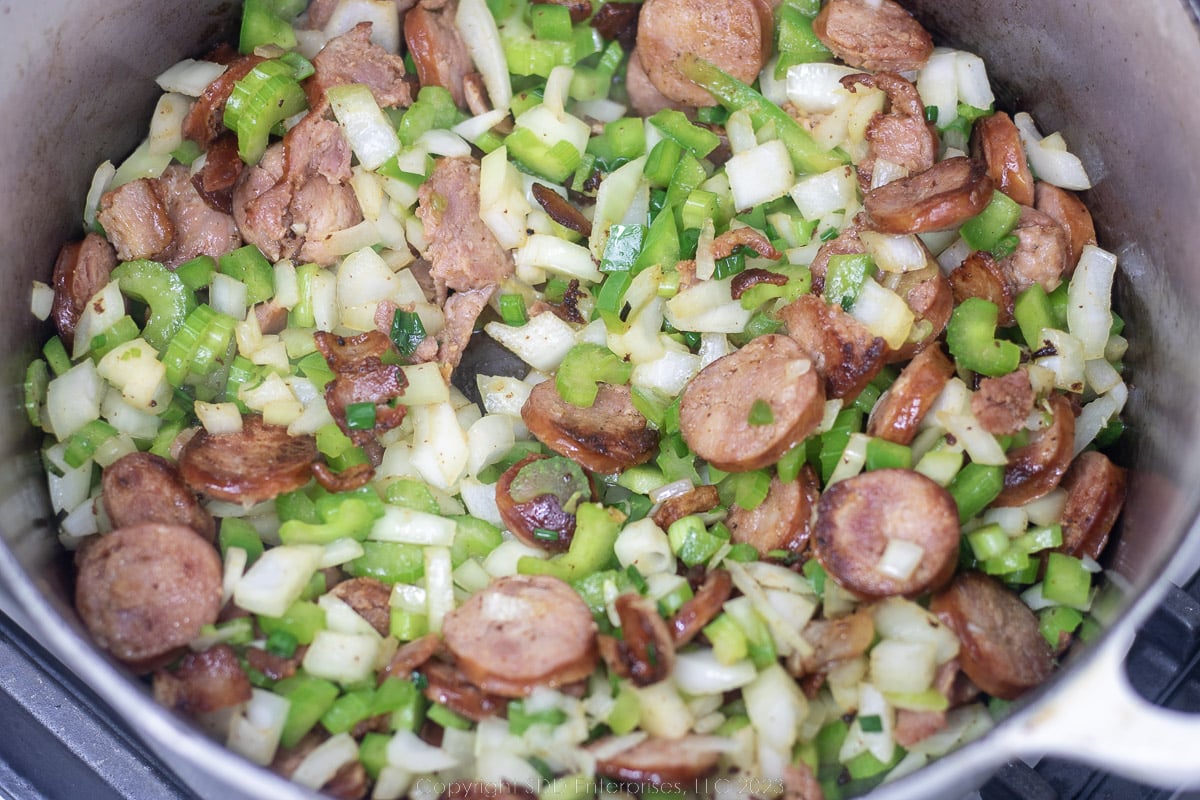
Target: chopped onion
x: 1055, y: 166
x: 1100, y: 375
x: 340, y: 551
x: 1089, y: 300
x: 439, y: 586
x: 478, y: 29
x: 340, y: 657
x: 953, y: 256
x: 325, y: 760
x: 974, y: 88
x: 937, y: 84
x: 407, y: 751
x: 71, y: 488
x: 884, y: 313
x: 664, y: 713
x: 979, y: 444
x: 1066, y: 361
x: 542, y: 343
x: 371, y: 136
x: 818, y: 195
x: 1047, y: 509
x: 502, y: 561
x: 760, y: 174
x: 440, y: 449
x: 219, y: 417
x: 255, y: 732
x: 603, y: 110
x: 816, y: 88
x: 775, y: 706
x: 962, y: 724
x: 852, y: 459
x: 103, y: 310
x: 707, y: 307
x: 904, y: 620
x: 102, y: 180
x: 900, y: 559
x: 903, y: 253
x: 277, y: 579
x: 1098, y: 413
x: 383, y: 15
x: 426, y: 385
x: 559, y: 257
x: 903, y: 666
x: 166, y: 126
x: 190, y: 77
x: 503, y: 394
x: 669, y: 373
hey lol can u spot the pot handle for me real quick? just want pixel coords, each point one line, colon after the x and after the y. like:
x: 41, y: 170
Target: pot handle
x: 1096, y: 717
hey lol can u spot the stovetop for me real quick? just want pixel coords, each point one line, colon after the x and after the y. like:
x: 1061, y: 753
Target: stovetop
x: 60, y: 741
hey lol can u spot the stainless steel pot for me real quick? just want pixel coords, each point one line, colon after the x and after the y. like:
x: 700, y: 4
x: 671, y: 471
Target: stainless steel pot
x: 1116, y: 78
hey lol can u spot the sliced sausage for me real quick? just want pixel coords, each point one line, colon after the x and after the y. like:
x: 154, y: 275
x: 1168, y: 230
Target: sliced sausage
x: 914, y: 726
x: 714, y: 409
x: 1041, y: 254
x: 901, y: 135
x: 941, y: 198
x: 645, y: 653
x: 147, y: 590
x: 1065, y: 208
x: 728, y: 33
x: 204, y: 121
x: 609, y: 436
x: 539, y: 511
x: 214, y: 181
x: 899, y: 411
x: 203, y: 682
x: 1003, y: 651
x: 1095, y: 494
x: 846, y: 355
x: 980, y: 275
x: 996, y: 142
x: 82, y: 269
x: 873, y: 35
x: 255, y: 464
x: 931, y: 299
x: 697, y: 501
x: 782, y: 521
x: 437, y: 49
x: 1003, y: 404
x: 411, y: 656
x: 273, y: 666
x: 1036, y: 468
x: 644, y: 96
x: 143, y: 487
x: 450, y: 687
x: 857, y: 517
x: 370, y: 598
x: 846, y: 243
x: 703, y: 607
x: 522, y: 632
x: 661, y: 762
x: 835, y: 640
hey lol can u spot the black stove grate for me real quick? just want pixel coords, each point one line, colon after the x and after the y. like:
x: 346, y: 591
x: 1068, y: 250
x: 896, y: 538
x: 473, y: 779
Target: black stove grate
x: 59, y: 740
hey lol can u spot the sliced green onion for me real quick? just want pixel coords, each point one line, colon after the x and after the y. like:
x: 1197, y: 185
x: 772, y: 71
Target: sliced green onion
x: 407, y: 331
x: 512, y: 310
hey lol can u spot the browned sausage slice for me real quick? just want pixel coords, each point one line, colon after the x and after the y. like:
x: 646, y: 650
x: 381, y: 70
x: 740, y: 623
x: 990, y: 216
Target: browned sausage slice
x: 537, y: 509
x: 1036, y: 468
x: 728, y: 33
x: 714, y: 410
x: 411, y: 655
x: 1003, y: 404
x: 645, y: 653
x: 204, y: 682
x: 370, y: 598
x: 661, y: 762
x: 644, y: 96
x: 437, y: 49
x: 703, y: 606
x: 1003, y: 651
x: 145, y: 591
x: 980, y: 276
x: 1065, y: 208
x: 82, y: 269
x: 143, y: 487
x: 836, y: 639
x: 858, y: 516
x: 941, y: 198
x: 609, y: 436
x: 874, y: 36
x: 782, y: 521
x: 250, y: 466
x: 521, y: 632
x: 846, y: 355
x: 1041, y: 254
x: 697, y: 501
x: 900, y: 410
x: 449, y: 687
x: 846, y: 243
x: 996, y: 142
x: 1095, y: 493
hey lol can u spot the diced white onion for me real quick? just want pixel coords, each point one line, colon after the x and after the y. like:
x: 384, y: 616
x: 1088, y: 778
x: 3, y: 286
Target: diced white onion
x: 542, y: 343
x: 1098, y: 413
x: 101, y: 312
x: 1089, y: 300
x: 1067, y: 360
x: 852, y: 459
x: 979, y: 444
x: 663, y: 711
x: 1054, y: 166
x: 776, y: 706
x: 884, y: 313
x: 816, y: 88
x: 707, y: 307
x: 1100, y: 375
x: 340, y: 657
x: 669, y: 373
x: 440, y: 448
x: 904, y: 620
x: 407, y: 751
x: 101, y: 182
x: 903, y: 253
x: 974, y: 88
x: 166, y: 125
x: 818, y: 195
x: 503, y: 560
x: 903, y: 666
x: 559, y: 257
x: 383, y: 15
x: 644, y: 545
x: 760, y: 174
x: 478, y: 29
x: 937, y: 84
x: 277, y: 579
x: 441, y: 142
x: 624, y: 190
x: 325, y: 760
x: 900, y: 559
x: 255, y: 732
x: 367, y: 129
x: 190, y: 77
x: 439, y: 586
x: 219, y: 417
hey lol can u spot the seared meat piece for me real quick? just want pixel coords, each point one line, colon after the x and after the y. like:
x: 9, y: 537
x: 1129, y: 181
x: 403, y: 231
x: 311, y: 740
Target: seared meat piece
x: 437, y: 49
x: 353, y: 58
x: 203, y: 682
x: 362, y: 377
x: 82, y: 269
x: 257, y: 463
x: 462, y: 250
x: 610, y: 435
x: 135, y: 219
x: 873, y: 35
x: 143, y: 487
x: 901, y: 135
x: 199, y: 228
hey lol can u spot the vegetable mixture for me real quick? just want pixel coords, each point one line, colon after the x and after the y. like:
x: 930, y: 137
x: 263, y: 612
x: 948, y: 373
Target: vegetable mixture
x: 562, y: 399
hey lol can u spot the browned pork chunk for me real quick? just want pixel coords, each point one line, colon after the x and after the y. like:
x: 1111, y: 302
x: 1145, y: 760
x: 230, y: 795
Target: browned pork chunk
x: 1003, y: 404
x: 1042, y: 252
x: 354, y: 58
x: 135, y: 219
x: 674, y: 763
x: 645, y: 653
x: 437, y: 49
x: 145, y: 591
x: 199, y: 228
x: 463, y: 253
x: 1003, y: 651
x: 859, y: 517
x: 203, y: 682
x: 522, y: 632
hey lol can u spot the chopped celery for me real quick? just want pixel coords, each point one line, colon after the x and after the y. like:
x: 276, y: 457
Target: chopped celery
x: 974, y: 487
x: 169, y: 300
x: 697, y: 141
x: 691, y: 541
x: 882, y: 454
x: 239, y: 533
x: 248, y: 265
x: 728, y: 641
x: 971, y: 339
x: 390, y: 562
x: 591, y: 550
x: 845, y: 276
x: 586, y: 366
x: 302, y: 620
x: 1066, y: 581
x: 984, y: 231
x: 309, y: 698
x: 1057, y: 621
x: 348, y: 710
x: 520, y: 720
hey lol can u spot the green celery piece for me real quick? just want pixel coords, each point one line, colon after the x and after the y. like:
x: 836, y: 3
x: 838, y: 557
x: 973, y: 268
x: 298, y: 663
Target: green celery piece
x: 807, y: 156
x: 301, y: 621
x: 845, y: 276
x: 697, y: 141
x: 309, y: 698
x: 239, y: 533
x: 390, y: 562
x: 248, y: 265
x: 974, y: 487
x: 971, y: 339
x: 591, y: 550
x: 795, y: 40
x: 161, y: 289
x: 985, y: 230
x: 262, y: 24
x: 585, y: 366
